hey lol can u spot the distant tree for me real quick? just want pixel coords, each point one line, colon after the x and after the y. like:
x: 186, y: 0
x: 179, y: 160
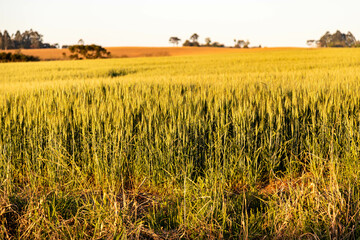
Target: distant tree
x: 18, y: 40
x: 35, y: 39
x: 46, y: 45
x: 350, y: 39
x: 194, y: 37
x: 325, y: 39
x: 81, y: 42
x: 88, y: 51
x: 1, y: 41
x: 196, y: 44
x: 26, y: 40
x: 29, y: 39
x: 239, y: 43
x: 7, y: 41
x: 193, y: 41
x: 312, y: 43
x: 216, y: 44
x: 207, y: 41
x: 338, y: 39
x: 174, y: 40
x: 247, y: 44
x: 188, y: 43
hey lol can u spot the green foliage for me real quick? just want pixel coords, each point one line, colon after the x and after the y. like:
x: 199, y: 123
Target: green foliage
x: 337, y: 39
x: 17, y: 57
x: 217, y: 44
x: 207, y: 41
x: 174, y: 40
x: 241, y: 44
x: 188, y: 43
x: 357, y: 45
x: 88, y: 52
x: 27, y: 40
x: 194, y: 37
x: 193, y: 42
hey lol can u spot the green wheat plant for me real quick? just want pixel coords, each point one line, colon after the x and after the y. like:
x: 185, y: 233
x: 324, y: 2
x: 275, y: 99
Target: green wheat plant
x: 257, y: 145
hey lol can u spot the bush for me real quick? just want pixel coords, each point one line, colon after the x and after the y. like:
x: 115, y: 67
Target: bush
x: 88, y: 52
x: 17, y: 57
x: 187, y: 43
x: 216, y: 44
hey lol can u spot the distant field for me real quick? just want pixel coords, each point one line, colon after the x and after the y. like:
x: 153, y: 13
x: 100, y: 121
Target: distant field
x: 124, y: 52
x: 259, y: 144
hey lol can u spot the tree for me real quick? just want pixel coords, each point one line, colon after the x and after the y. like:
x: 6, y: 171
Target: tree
x: 338, y: 39
x: 194, y: 37
x: 18, y: 40
x: 174, y: 40
x: 217, y: 44
x: 187, y: 43
x: 7, y: 40
x: 312, y: 43
x: 239, y: 43
x: 325, y: 39
x: 207, y: 41
x: 81, y: 42
x: 26, y: 40
x: 88, y: 51
x: 350, y: 40
x: 1, y: 41
x: 35, y: 39
x: 193, y: 42
x: 247, y: 43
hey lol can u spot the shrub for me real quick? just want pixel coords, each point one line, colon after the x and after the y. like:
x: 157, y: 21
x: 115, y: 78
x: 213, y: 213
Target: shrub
x: 17, y: 57
x: 187, y: 43
x: 88, y: 52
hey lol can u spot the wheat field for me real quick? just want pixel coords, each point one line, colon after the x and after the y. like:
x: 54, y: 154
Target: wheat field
x: 248, y: 145
x: 130, y: 52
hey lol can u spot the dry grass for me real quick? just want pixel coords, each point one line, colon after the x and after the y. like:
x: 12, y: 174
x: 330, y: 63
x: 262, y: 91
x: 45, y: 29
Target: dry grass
x: 124, y: 52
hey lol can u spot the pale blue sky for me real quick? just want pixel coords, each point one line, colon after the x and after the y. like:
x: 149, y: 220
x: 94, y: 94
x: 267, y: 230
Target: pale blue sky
x: 151, y: 23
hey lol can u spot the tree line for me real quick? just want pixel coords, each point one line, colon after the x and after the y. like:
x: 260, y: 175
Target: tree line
x: 26, y: 40
x: 32, y: 39
x: 338, y: 39
x: 193, y: 42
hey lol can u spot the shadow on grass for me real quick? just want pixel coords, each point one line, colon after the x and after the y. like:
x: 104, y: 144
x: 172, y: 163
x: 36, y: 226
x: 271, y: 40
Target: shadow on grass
x: 120, y: 72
